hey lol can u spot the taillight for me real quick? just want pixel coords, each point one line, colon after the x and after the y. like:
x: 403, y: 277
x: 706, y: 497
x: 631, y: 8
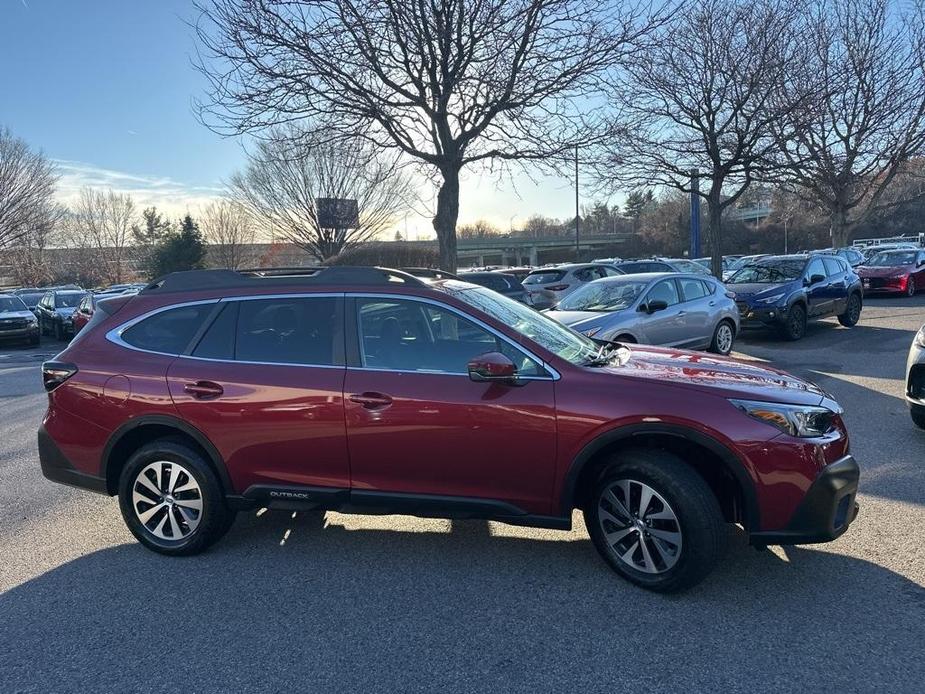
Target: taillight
x: 54, y: 373
x: 557, y: 287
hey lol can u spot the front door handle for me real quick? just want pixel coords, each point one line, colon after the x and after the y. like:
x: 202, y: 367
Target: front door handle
x: 203, y: 390
x: 371, y: 401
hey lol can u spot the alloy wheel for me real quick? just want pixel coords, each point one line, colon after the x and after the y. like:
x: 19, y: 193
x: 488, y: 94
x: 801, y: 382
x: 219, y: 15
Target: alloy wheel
x: 724, y: 338
x: 167, y: 500
x: 639, y: 526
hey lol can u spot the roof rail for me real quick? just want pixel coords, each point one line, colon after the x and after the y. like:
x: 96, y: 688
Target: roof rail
x: 191, y: 280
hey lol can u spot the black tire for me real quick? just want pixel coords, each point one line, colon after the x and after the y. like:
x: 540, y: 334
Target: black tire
x: 34, y: 341
x: 852, y: 313
x: 718, y: 343
x: 59, y: 331
x: 918, y: 415
x: 698, y: 519
x: 910, y: 286
x: 214, y: 519
x: 626, y: 339
x: 43, y: 329
x: 795, y: 326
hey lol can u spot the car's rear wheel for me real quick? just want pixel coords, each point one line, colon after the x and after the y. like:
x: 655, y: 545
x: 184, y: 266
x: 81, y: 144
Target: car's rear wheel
x: 918, y: 415
x: 852, y: 313
x: 910, y: 286
x: 655, y: 521
x: 795, y: 326
x: 171, y: 499
x: 723, y: 338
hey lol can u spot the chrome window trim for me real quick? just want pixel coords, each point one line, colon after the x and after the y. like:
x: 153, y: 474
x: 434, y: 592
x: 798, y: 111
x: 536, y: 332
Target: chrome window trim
x: 261, y: 363
x: 554, y: 375
x: 115, y: 335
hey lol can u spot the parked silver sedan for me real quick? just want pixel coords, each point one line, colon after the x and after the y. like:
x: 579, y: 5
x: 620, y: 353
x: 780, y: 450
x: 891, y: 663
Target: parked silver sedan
x: 549, y: 285
x: 672, y: 309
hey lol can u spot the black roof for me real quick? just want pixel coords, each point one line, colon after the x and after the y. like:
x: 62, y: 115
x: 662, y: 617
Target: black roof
x: 192, y: 280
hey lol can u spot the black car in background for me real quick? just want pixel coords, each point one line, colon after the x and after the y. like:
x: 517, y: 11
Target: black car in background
x: 30, y: 296
x: 55, y: 311
x: 500, y: 282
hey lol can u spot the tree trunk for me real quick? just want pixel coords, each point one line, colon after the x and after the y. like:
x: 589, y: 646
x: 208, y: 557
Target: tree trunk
x: 445, y: 219
x: 839, y: 228
x: 715, y: 231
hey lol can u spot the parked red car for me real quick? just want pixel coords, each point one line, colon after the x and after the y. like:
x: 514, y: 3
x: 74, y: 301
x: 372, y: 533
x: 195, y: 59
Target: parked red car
x: 369, y: 390
x: 894, y: 272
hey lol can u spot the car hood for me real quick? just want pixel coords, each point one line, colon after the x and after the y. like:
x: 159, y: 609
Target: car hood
x: 757, y: 290
x: 16, y: 314
x: 883, y: 271
x: 583, y: 321
x: 714, y: 374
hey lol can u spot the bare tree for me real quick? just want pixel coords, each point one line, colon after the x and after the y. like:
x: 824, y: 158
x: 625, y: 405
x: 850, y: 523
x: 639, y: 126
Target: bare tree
x: 103, y: 221
x: 448, y: 84
x: 704, y: 97
x: 288, y: 172
x: 229, y: 231
x: 27, y: 188
x: 26, y: 254
x: 479, y: 229
x: 844, y: 150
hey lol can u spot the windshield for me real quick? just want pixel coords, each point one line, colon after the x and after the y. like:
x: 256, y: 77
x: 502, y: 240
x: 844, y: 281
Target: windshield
x: 546, y: 332
x: 544, y: 277
x: 766, y: 272
x: 11, y: 303
x: 604, y: 296
x: 32, y: 299
x: 67, y: 300
x: 888, y: 258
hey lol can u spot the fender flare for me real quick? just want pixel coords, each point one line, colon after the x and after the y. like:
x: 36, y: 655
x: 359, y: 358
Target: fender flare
x: 730, y: 460
x: 174, y: 423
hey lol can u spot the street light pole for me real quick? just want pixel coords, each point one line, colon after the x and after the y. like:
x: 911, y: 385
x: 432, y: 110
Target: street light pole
x: 577, y: 217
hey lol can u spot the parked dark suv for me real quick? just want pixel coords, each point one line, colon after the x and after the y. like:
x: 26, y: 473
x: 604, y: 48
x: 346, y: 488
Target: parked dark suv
x: 369, y: 390
x: 784, y: 291
x: 55, y: 312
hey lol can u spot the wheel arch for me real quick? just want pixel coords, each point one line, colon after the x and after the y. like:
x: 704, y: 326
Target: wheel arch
x: 139, y: 431
x: 720, y: 467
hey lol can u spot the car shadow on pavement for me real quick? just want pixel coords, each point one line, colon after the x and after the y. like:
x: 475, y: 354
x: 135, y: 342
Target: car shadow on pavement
x: 315, y: 603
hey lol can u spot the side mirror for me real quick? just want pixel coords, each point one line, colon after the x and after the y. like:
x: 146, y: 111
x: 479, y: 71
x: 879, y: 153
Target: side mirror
x: 492, y: 366
x: 816, y: 279
x: 654, y: 305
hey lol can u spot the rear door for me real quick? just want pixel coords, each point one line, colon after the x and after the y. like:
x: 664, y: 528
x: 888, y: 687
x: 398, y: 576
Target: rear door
x: 697, y: 319
x: 837, y: 275
x: 264, y: 383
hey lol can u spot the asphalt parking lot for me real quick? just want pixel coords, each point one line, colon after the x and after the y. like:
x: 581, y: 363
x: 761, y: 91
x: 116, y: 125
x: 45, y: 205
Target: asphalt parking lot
x: 361, y: 603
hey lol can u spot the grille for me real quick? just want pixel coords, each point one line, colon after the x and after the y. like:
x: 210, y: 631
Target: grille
x: 13, y: 323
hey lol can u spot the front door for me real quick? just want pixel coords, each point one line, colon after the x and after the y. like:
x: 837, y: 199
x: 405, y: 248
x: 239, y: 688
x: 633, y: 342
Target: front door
x: 419, y: 427
x: 265, y: 385
x: 818, y: 295
x: 665, y: 327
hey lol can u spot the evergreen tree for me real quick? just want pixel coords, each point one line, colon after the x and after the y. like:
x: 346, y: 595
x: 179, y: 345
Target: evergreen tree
x: 181, y: 250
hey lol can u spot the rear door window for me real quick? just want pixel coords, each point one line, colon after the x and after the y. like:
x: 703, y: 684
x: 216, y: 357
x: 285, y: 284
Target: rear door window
x: 170, y: 331
x: 692, y: 289
x: 544, y: 277
x: 289, y: 330
x: 832, y: 266
x: 219, y: 339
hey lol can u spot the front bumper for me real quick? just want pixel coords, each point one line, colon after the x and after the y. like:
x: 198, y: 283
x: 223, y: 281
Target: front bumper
x: 761, y: 316
x: 57, y: 468
x: 29, y: 331
x: 827, y: 509
x: 915, y: 376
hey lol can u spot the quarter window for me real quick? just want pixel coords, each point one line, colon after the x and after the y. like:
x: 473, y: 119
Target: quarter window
x: 413, y: 336
x: 169, y: 331
x: 218, y: 341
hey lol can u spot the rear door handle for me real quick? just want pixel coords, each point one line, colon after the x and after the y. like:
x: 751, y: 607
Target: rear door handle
x: 203, y: 390
x: 371, y: 401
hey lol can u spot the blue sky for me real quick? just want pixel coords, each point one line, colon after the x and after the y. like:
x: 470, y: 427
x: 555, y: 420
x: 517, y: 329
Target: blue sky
x: 106, y: 88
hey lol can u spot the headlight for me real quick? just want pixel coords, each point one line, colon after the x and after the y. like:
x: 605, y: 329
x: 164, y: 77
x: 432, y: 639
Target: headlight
x: 920, y: 337
x: 797, y: 420
x: 591, y: 333
x: 771, y: 299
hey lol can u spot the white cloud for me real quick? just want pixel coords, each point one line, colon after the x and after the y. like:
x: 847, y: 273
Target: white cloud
x: 171, y: 197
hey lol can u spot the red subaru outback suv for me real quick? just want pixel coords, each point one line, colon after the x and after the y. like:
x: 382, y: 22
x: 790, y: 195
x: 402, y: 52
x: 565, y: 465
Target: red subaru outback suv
x: 370, y: 390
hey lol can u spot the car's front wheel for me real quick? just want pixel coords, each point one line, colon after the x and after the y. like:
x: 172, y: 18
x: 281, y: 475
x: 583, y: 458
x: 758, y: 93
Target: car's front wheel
x: 171, y: 499
x: 795, y: 325
x: 852, y: 313
x: 723, y: 338
x: 918, y: 416
x: 655, y: 521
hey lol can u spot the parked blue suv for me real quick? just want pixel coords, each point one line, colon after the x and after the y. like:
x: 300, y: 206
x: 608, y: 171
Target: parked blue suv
x: 784, y: 291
